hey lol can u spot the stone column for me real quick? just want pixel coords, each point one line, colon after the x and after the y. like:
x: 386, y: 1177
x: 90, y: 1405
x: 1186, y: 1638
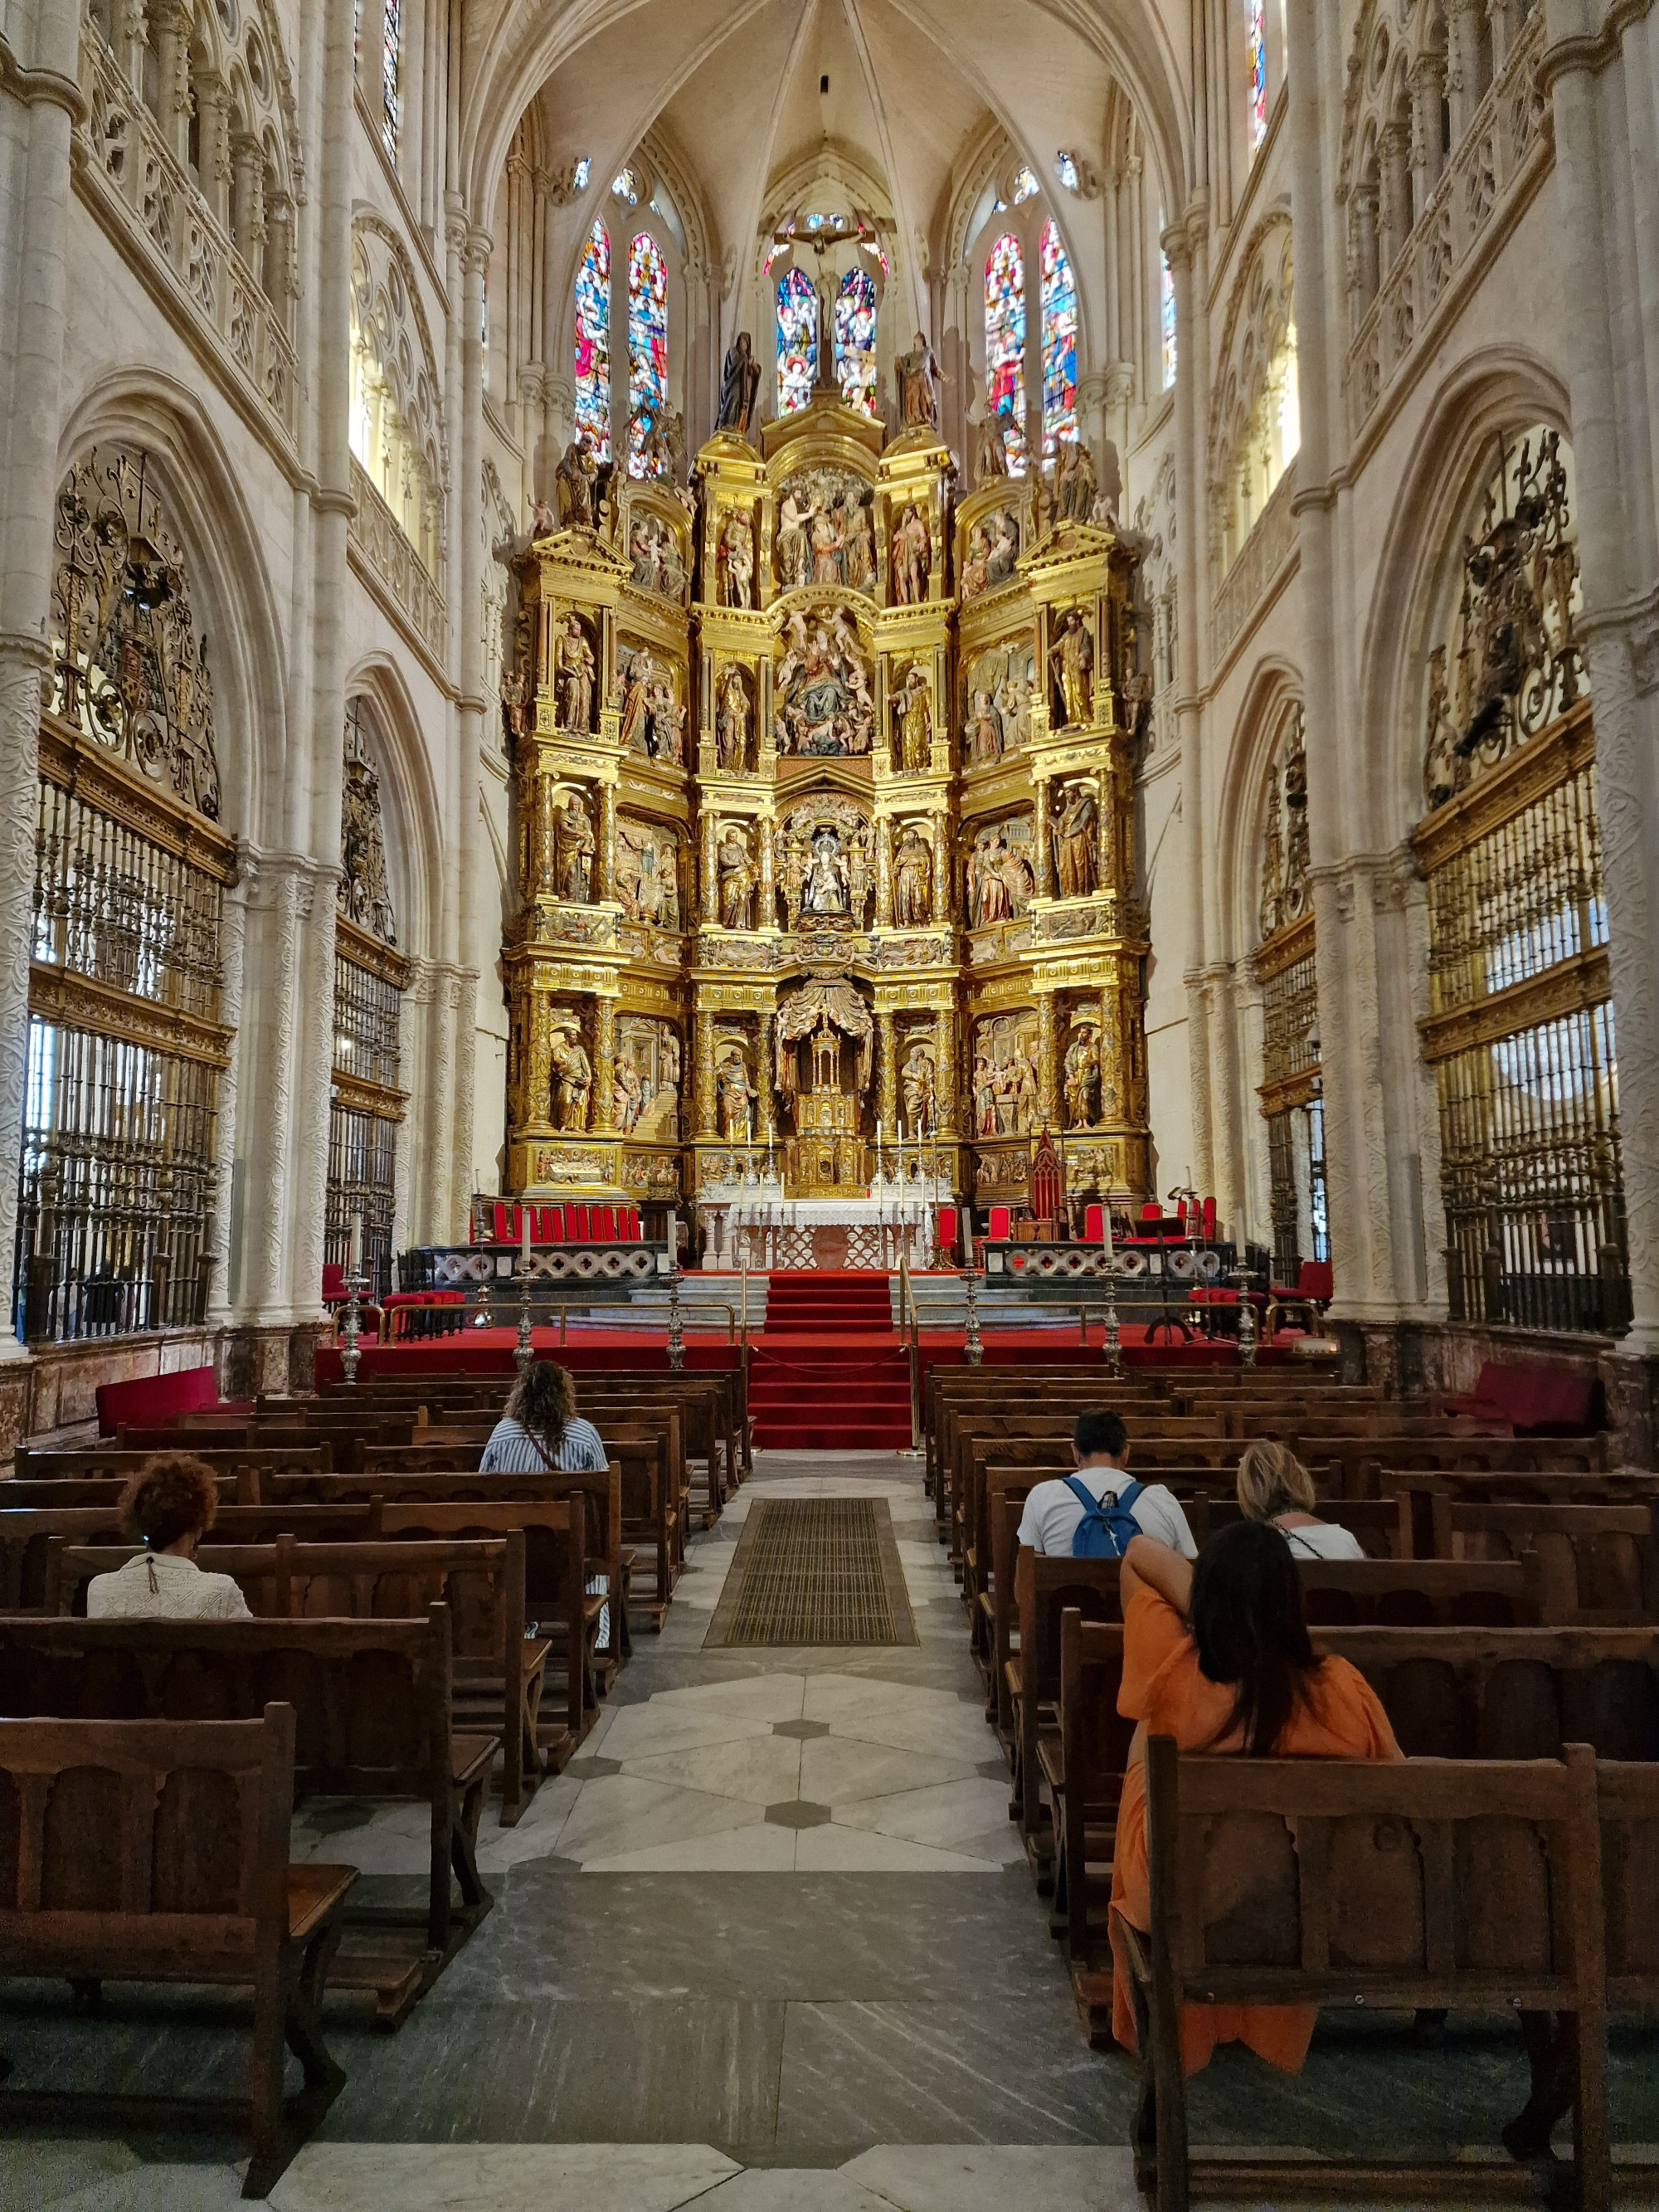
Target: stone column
x: 1428, y: 83
x: 476, y: 932
x: 247, y: 205
x: 39, y: 96
x: 1505, y: 17
x: 886, y: 1054
x: 1463, y: 75
x: 170, y: 36
x: 601, y: 1114
x: 704, y: 1073
x: 233, y: 940
x: 1396, y: 195
x: 213, y: 143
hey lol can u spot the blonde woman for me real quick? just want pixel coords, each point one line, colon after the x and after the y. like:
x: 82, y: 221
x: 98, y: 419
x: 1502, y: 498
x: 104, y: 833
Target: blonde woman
x: 1273, y: 1486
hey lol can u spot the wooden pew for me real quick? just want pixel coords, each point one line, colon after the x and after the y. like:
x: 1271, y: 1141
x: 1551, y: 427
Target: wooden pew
x: 26, y: 1533
x: 247, y: 1466
x: 1499, y: 1906
x: 1418, y: 1593
x: 157, y: 1852
x: 1594, y: 1565
x: 1541, y: 1484
x: 1044, y: 1589
x: 496, y: 1673
x: 373, y: 1702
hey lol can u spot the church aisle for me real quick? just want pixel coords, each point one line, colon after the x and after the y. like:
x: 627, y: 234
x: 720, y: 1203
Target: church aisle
x: 768, y: 1943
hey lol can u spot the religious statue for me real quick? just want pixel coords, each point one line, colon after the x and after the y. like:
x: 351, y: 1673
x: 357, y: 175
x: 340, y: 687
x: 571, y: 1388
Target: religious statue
x: 1072, y: 668
x: 665, y: 723
x: 912, y: 880
x: 1043, y: 506
x: 542, y: 520
x: 731, y: 722
x: 921, y: 1085
x: 794, y: 557
x: 826, y: 889
x: 1442, y: 766
x: 627, y: 1098
x: 860, y: 550
x: 985, y: 1098
x: 736, y: 1096
x: 1077, y: 843
x: 515, y: 704
x: 828, y: 545
x: 976, y: 569
x: 573, y: 848
x: 912, y: 558
x: 573, y: 480
x: 634, y: 698
x: 575, y: 677
x: 982, y: 733
x: 572, y: 1074
x: 918, y: 376
x: 1004, y: 548
x: 1076, y: 487
x: 913, y: 708
x: 660, y: 445
x: 1082, y: 1082
x: 992, y: 460
x: 737, y: 879
x: 823, y: 689
x: 671, y: 1061
x: 739, y: 382
x: 736, y: 561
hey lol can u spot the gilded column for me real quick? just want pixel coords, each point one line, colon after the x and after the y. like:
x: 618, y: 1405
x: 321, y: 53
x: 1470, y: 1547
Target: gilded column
x: 705, y: 1074
x: 710, y: 873
x: 767, y: 912
x: 887, y: 1054
x: 1105, y: 827
x: 944, y: 1046
x: 942, y: 871
x: 1114, y: 1107
x: 544, y: 875
x: 1047, y: 1052
x: 764, y: 1076
x: 602, y: 1115
x: 884, y: 874
x: 1043, y: 841
x: 607, y: 842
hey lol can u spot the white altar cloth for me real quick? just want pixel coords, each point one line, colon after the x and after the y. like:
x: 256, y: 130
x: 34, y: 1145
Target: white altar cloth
x: 756, y: 1225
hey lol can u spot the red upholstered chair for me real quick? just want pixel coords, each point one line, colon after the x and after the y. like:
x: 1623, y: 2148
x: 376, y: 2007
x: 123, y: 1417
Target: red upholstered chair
x: 500, y: 1233
x: 631, y: 1224
x: 944, y: 1231
x: 1094, y: 1224
x: 1152, y: 1211
x: 605, y: 1224
x: 556, y: 1231
x: 1207, y: 1217
x: 997, y: 1232
x: 576, y: 1220
x: 1315, y: 1288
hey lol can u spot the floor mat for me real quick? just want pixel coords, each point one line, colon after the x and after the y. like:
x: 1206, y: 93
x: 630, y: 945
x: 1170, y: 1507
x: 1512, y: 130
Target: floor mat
x: 814, y: 1570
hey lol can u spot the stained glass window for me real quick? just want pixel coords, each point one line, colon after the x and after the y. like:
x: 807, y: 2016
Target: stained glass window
x: 593, y: 345
x: 1004, y: 344
x: 1256, y: 35
x: 578, y: 175
x: 647, y: 346
x: 1066, y: 170
x: 1059, y: 343
x: 626, y: 186
x: 1167, y: 318
x: 1024, y: 185
x: 797, y: 340
x: 855, y: 340
x: 390, y: 99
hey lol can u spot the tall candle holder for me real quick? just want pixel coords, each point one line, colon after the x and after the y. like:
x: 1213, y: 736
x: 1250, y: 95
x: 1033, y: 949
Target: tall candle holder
x: 676, y: 1322
x: 973, y: 1352
x: 1113, y: 1347
x: 356, y: 1284
x: 1247, y: 1336
x: 523, y: 1351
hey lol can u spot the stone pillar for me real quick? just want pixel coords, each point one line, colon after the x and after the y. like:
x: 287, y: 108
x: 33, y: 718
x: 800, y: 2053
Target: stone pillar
x: 601, y: 1114
x: 39, y: 96
x: 170, y: 36
x: 213, y: 143
x: 1428, y: 84
x: 1505, y: 17
x: 276, y: 270
x: 607, y: 853
x: 886, y: 1054
x: 1600, y: 67
x: 1463, y: 76
x: 704, y: 1073
x: 1047, y: 1061
x: 233, y: 940
x: 247, y: 202
x: 765, y: 1076
x: 476, y: 930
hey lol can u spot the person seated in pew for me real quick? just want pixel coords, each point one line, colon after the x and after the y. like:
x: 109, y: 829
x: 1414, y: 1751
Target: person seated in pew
x: 168, y: 1506
x: 1217, y: 1656
x: 1100, y: 1451
x: 540, y: 1433
x: 1274, y: 1487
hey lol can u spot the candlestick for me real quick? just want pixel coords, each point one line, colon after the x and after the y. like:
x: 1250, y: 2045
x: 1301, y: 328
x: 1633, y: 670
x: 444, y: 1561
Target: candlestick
x: 524, y: 1241
x: 355, y: 1256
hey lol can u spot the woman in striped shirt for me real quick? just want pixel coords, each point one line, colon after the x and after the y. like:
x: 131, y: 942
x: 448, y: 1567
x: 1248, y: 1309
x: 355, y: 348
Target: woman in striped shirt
x: 540, y: 1432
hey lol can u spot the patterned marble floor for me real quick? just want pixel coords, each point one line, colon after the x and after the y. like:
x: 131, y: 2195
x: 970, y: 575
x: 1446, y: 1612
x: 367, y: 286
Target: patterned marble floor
x: 769, y: 1945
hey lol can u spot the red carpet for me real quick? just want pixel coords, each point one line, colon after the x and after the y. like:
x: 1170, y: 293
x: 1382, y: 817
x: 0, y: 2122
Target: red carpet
x: 829, y: 1373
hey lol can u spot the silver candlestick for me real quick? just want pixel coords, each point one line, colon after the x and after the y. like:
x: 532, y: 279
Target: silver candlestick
x: 523, y: 1352
x: 973, y: 1352
x: 1247, y: 1342
x: 349, y: 1355
x: 676, y: 1328
x: 1114, y: 1350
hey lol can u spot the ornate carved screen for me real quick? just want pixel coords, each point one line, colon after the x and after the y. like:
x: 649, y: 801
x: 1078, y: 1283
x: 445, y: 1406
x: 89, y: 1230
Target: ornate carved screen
x: 126, y: 1046
x: 1291, y: 1105
x: 1520, y: 1031
x: 370, y: 976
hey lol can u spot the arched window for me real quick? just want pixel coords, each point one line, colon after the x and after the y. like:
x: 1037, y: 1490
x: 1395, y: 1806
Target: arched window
x: 593, y: 345
x: 1166, y: 308
x: 1059, y: 343
x: 1256, y: 58
x: 390, y: 53
x: 855, y: 340
x: 647, y: 347
x: 1024, y: 183
x: 1004, y: 344
x: 797, y: 340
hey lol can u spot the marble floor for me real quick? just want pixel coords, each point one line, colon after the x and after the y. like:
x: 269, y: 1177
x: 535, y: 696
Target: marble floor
x: 768, y: 1943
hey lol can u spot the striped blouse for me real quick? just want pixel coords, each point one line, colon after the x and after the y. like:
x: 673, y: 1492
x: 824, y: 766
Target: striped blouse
x: 512, y: 1450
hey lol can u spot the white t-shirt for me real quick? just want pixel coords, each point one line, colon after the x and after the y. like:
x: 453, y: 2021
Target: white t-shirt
x: 1050, y: 1522
x: 1324, y: 1540
x: 163, y: 1586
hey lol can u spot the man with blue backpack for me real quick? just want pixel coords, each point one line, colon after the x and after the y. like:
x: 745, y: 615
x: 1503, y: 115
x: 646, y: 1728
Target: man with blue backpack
x: 1093, y: 1514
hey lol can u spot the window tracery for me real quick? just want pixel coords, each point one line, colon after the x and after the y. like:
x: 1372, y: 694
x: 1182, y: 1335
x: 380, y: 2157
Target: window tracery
x: 1255, y: 425
x: 592, y: 363
x: 1166, y: 316
x: 1255, y: 59
x: 855, y: 340
x: 797, y: 340
x: 1059, y: 343
x: 647, y: 354
x: 392, y: 37
x: 396, y: 426
x: 1004, y: 344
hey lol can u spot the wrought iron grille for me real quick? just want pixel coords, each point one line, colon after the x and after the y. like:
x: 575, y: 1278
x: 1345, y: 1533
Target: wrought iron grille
x: 367, y: 1008
x: 1290, y: 1019
x: 1295, y: 1160
x: 362, y: 1165
x: 117, y: 1187
x: 1521, y: 1037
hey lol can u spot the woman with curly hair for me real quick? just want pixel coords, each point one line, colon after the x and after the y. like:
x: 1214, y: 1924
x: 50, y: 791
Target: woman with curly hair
x: 168, y: 1506
x: 1274, y: 1487
x: 539, y: 1432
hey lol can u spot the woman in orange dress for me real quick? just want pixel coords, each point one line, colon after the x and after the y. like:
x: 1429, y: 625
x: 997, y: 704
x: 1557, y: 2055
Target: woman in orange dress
x: 1216, y: 1654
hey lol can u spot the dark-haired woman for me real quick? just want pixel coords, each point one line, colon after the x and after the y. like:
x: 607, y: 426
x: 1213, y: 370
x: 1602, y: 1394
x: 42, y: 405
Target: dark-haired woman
x: 540, y: 1432
x: 168, y: 1506
x: 1216, y: 1654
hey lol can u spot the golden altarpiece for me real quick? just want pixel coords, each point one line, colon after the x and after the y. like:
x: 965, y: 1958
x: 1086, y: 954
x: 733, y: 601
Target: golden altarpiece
x: 825, y: 806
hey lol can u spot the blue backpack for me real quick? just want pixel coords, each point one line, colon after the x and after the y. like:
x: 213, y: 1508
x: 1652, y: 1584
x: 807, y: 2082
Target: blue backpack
x: 1107, y: 1525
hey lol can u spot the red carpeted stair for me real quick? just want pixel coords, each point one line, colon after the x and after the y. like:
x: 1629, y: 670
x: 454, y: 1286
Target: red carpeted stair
x: 828, y: 1372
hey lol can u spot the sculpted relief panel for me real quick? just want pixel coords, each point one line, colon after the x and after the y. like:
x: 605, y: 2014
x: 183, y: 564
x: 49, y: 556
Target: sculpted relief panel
x: 1000, y: 684
x: 824, y: 861
x: 826, y: 532
x: 824, y: 692
x: 648, y: 872
x: 1001, y: 875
